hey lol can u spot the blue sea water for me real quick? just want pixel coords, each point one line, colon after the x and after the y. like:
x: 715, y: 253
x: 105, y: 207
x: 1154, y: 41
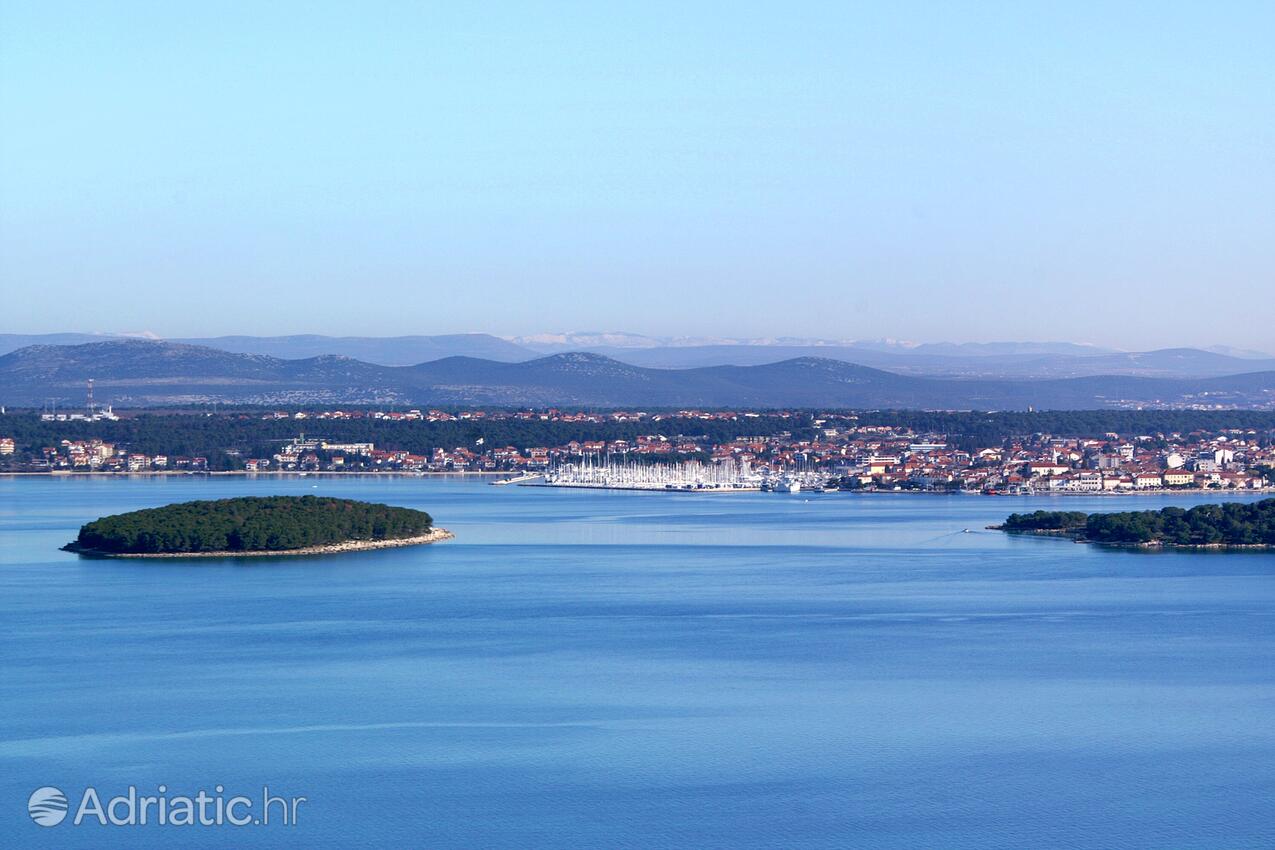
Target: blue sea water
x: 589, y: 669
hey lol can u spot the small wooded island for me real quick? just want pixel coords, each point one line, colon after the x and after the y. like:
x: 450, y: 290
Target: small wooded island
x: 270, y: 525
x: 1227, y: 525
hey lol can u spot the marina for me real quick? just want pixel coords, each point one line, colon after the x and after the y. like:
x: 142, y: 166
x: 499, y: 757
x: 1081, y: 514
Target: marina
x: 729, y: 476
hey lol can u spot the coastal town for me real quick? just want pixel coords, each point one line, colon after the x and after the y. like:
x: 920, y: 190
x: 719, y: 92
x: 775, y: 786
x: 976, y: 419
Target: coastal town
x: 746, y: 450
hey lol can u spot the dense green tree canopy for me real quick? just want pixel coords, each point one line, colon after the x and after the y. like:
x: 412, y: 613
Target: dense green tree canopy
x: 250, y: 524
x: 1228, y: 524
x: 1045, y: 521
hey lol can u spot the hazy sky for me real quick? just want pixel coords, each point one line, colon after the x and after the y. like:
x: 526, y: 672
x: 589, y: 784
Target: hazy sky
x: 1097, y: 172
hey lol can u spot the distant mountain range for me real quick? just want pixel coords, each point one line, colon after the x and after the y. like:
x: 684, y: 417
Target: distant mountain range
x: 1166, y: 363
x: 387, y: 351
x: 144, y: 372
x: 592, y: 340
x: 1015, y: 360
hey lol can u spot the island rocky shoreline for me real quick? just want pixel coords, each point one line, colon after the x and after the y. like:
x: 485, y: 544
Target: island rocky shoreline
x: 1211, y: 526
x: 1062, y: 534
x: 436, y: 535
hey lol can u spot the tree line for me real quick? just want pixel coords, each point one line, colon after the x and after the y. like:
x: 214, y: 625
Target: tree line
x: 1229, y: 524
x: 248, y: 435
x: 200, y: 435
x: 250, y: 524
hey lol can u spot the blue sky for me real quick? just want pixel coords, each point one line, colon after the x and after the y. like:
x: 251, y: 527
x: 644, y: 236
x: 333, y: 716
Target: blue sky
x: 1094, y: 172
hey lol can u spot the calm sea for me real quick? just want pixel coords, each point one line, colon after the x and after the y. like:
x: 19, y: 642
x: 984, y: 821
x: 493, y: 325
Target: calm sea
x: 586, y: 669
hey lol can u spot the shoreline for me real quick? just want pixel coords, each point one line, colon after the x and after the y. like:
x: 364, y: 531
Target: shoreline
x: 436, y: 535
x: 159, y: 473
x: 1063, y: 534
x: 660, y: 489
x: 900, y: 492
x: 397, y: 473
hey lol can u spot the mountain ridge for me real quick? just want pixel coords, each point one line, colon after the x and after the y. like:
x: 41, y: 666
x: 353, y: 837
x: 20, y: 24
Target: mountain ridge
x: 146, y: 373
x: 973, y: 360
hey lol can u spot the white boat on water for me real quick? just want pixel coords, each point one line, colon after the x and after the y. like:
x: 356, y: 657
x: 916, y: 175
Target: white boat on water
x: 783, y: 484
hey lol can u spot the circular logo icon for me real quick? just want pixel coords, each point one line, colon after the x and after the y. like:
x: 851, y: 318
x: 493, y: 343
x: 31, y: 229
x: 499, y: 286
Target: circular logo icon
x: 47, y: 806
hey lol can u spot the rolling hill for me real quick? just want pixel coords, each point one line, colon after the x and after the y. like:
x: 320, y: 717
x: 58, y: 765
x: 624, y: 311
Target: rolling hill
x: 1022, y: 360
x: 385, y: 351
x: 142, y: 373
x: 1163, y: 363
